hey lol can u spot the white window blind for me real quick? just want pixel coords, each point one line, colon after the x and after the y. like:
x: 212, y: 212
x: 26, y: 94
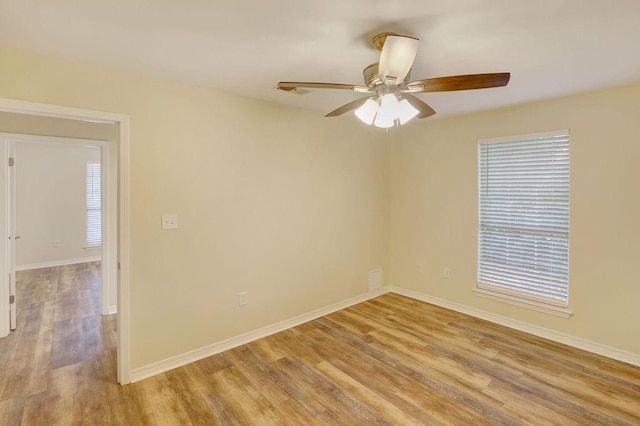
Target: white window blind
x: 523, y: 244
x: 94, y: 205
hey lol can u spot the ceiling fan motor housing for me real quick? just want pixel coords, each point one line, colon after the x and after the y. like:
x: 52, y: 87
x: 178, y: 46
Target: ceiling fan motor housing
x: 372, y: 79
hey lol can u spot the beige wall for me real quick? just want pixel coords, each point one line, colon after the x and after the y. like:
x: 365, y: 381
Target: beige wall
x: 434, y: 210
x: 283, y: 204
x: 51, y: 202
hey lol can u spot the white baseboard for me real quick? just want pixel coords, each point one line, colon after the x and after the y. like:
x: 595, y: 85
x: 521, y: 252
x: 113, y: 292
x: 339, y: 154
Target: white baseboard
x: 113, y: 310
x: 198, y: 354
x: 576, y: 342
x: 62, y: 262
x: 141, y: 373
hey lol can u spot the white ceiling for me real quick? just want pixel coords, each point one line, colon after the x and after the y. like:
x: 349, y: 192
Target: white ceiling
x: 551, y: 47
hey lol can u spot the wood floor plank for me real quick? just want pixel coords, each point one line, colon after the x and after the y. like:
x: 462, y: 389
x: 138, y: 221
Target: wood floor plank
x: 213, y: 364
x: 242, y: 399
x: 262, y: 373
x: 531, y: 409
x: 224, y: 415
x: 337, y: 400
x: 267, y: 350
x: 618, y: 370
x: 357, y: 324
x: 410, y: 396
x: 67, y: 347
x: 11, y: 411
x: 290, y: 344
x: 19, y: 378
x: 572, y: 397
x: 71, y: 389
x: 391, y: 413
x: 429, y: 362
x: 192, y: 388
x: 36, y: 286
x: 41, y: 409
x: 291, y: 413
x: 160, y: 402
x: 456, y: 341
x: 475, y: 402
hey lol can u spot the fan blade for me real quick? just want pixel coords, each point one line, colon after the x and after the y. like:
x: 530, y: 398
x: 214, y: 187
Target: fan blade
x: 460, y: 82
x: 425, y: 110
x: 396, y: 59
x: 293, y: 85
x: 347, y: 107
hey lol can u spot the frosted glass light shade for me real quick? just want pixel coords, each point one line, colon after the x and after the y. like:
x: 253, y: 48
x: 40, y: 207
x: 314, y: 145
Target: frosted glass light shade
x: 406, y: 111
x: 388, y: 107
x: 387, y: 112
x: 367, y: 112
x: 398, y: 53
x: 383, y: 122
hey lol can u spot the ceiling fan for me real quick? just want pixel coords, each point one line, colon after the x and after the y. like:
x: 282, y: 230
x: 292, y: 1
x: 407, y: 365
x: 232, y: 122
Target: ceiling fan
x: 389, y: 88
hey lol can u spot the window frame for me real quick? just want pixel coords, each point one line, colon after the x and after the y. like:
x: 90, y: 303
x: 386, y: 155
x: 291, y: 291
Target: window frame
x: 493, y: 292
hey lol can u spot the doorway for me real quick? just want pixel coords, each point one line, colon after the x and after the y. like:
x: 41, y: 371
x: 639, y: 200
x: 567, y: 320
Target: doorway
x: 57, y: 221
x: 116, y: 240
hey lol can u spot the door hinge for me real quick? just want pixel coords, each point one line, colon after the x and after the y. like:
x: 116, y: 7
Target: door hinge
x: 12, y: 299
x: 12, y: 161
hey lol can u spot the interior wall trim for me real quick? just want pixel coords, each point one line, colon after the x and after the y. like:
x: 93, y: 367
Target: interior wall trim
x: 147, y: 371
x: 576, y: 342
x: 62, y: 262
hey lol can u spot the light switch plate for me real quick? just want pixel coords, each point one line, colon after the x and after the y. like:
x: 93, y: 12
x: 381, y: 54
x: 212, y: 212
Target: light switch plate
x: 169, y: 221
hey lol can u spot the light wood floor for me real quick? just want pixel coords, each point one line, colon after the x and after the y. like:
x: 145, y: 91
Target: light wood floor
x: 391, y: 360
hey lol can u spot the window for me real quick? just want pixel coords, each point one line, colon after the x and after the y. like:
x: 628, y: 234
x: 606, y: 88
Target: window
x: 94, y: 206
x: 523, y: 241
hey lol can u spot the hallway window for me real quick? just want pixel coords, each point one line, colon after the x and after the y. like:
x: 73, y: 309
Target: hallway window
x: 94, y: 206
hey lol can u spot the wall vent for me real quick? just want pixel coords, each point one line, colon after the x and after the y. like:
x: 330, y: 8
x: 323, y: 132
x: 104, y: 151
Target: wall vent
x: 375, y: 279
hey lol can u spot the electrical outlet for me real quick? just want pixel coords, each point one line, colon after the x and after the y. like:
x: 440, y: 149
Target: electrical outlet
x: 169, y: 221
x: 420, y: 268
x: 56, y: 243
x: 446, y: 273
x: 242, y: 298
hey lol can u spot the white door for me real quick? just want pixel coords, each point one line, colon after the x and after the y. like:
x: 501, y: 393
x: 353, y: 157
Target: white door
x: 11, y: 183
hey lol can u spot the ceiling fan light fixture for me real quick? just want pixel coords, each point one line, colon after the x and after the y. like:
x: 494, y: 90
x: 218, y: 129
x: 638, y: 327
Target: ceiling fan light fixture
x: 389, y: 87
x: 367, y: 112
x: 406, y: 111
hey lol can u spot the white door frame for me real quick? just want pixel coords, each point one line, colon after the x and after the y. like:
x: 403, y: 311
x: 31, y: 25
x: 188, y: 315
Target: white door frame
x: 122, y: 225
x: 9, y: 174
x: 107, y: 265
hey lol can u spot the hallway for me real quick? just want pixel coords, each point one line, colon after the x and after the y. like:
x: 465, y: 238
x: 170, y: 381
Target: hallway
x: 62, y: 352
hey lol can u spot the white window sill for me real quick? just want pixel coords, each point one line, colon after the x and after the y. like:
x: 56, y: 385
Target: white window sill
x: 90, y: 248
x: 523, y: 303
